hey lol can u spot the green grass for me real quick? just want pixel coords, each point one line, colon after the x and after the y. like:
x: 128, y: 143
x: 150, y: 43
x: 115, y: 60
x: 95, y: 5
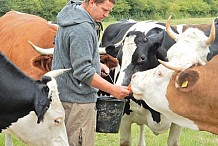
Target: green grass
x: 208, y: 20
x: 188, y: 137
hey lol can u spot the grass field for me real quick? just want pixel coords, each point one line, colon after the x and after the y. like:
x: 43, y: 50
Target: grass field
x: 188, y: 137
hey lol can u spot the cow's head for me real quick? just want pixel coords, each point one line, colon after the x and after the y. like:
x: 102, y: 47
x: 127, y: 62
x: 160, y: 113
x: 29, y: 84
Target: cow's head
x: 134, y: 56
x: 152, y: 87
x: 148, y: 84
x: 191, y: 47
x: 51, y: 131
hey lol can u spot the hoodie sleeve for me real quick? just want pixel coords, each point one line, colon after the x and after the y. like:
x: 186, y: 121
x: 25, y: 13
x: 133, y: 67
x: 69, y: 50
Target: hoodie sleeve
x: 81, y: 54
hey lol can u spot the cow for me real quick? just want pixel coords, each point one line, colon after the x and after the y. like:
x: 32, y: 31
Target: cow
x: 187, y: 97
x: 133, y: 56
x: 16, y: 29
x: 174, y: 94
x: 33, y: 103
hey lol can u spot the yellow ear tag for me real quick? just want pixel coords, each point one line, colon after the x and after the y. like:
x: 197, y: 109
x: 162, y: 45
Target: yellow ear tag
x: 184, y: 84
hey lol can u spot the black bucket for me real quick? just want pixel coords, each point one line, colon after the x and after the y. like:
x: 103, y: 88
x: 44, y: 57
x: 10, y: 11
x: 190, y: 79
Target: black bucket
x: 109, y: 114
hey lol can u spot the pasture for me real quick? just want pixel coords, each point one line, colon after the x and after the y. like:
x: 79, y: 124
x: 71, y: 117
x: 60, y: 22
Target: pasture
x: 188, y: 137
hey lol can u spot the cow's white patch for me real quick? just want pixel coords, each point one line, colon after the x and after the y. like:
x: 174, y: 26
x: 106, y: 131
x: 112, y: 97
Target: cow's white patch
x: 129, y: 48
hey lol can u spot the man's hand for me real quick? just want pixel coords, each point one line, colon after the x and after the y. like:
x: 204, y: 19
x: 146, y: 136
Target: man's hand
x: 104, y: 70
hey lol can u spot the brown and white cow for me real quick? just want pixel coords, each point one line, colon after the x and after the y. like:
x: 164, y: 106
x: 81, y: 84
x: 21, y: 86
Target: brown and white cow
x: 162, y: 91
x: 188, y: 98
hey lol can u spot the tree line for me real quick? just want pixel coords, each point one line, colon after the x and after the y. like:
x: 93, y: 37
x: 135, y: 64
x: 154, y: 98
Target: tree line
x: 124, y: 9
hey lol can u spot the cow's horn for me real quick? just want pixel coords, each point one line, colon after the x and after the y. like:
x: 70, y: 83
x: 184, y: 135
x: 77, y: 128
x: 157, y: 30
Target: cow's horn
x: 170, y: 66
x: 211, y: 38
x: 169, y: 31
x: 55, y: 73
x: 42, y: 51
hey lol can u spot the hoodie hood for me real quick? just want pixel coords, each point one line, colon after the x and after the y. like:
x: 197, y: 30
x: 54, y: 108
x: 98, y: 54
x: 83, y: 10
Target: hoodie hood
x: 75, y: 14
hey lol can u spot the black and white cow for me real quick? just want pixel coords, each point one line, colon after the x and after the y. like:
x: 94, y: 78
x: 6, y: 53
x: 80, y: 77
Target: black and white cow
x: 134, y: 56
x: 31, y: 109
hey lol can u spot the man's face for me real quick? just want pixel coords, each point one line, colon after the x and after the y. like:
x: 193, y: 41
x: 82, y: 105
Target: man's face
x: 100, y: 11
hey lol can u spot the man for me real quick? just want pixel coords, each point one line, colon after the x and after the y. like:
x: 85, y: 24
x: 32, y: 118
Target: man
x: 76, y: 47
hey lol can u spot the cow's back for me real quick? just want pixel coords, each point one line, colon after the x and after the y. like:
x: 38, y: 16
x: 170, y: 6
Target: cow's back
x: 114, y: 33
x: 15, y: 31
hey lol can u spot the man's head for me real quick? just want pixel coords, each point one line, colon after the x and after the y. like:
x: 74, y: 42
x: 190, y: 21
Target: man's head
x: 98, y: 9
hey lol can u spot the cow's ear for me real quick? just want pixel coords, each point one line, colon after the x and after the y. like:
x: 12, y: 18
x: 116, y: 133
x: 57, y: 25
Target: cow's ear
x: 112, y: 50
x: 158, y: 39
x: 111, y: 62
x: 42, y: 62
x: 187, y: 80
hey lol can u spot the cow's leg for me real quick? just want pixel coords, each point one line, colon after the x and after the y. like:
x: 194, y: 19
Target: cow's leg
x: 174, y: 135
x: 141, y: 141
x: 8, y: 140
x: 125, y: 131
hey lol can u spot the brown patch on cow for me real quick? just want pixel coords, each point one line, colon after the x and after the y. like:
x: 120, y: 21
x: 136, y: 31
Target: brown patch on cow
x: 199, y: 101
x: 15, y: 32
x: 110, y: 61
x: 202, y: 27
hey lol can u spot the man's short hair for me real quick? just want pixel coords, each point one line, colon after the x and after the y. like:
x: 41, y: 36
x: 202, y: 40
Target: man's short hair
x: 101, y: 1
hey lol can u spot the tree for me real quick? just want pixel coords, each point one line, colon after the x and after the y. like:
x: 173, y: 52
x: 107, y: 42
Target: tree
x: 5, y: 7
x: 121, y: 9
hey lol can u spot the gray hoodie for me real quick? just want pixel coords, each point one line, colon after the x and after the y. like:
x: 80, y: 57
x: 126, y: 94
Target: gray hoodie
x: 76, y: 47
